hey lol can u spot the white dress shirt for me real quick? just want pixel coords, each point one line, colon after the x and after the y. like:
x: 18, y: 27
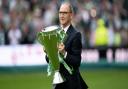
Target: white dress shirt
x: 66, y: 28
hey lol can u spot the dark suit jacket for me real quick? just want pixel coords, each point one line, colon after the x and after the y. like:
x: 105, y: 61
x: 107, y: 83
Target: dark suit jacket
x: 73, y: 48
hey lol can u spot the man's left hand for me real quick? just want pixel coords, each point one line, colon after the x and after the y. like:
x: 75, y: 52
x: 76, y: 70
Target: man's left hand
x: 61, y: 48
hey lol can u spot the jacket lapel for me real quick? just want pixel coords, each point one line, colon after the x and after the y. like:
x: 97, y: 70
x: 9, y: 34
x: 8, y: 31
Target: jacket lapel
x: 69, y: 34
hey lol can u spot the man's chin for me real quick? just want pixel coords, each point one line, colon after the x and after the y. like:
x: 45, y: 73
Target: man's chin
x: 62, y: 24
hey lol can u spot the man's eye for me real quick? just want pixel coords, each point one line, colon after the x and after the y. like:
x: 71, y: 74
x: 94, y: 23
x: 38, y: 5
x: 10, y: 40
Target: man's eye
x: 64, y: 12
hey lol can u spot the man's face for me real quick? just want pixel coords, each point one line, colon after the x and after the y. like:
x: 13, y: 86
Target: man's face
x: 65, y: 15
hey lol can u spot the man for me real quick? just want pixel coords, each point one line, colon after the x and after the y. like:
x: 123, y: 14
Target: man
x: 71, y: 49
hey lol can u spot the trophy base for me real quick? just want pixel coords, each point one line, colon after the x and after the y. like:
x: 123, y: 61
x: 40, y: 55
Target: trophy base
x: 57, y: 79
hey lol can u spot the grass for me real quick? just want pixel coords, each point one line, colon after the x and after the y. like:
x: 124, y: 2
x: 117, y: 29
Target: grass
x: 106, y: 79
x: 95, y: 78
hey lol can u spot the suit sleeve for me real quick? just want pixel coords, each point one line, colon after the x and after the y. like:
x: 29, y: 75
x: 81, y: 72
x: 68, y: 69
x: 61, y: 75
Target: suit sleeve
x: 47, y: 60
x: 73, y: 57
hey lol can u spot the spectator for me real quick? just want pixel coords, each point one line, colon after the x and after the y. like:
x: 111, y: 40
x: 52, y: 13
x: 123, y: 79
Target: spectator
x: 27, y: 36
x: 2, y: 34
x: 14, y: 34
x: 101, y: 38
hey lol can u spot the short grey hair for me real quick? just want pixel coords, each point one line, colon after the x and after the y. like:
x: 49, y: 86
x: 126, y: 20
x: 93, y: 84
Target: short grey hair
x: 69, y: 4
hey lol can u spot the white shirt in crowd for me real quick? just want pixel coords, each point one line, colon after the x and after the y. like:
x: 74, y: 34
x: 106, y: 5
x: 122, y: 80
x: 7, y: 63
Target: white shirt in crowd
x: 14, y: 36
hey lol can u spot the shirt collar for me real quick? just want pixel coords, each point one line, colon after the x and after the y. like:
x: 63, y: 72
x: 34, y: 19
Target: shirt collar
x: 66, y: 28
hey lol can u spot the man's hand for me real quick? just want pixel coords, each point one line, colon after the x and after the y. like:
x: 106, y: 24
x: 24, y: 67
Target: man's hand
x: 61, y: 48
x: 44, y: 49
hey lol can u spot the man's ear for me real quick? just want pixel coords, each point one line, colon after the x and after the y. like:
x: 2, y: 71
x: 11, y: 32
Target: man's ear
x: 72, y: 15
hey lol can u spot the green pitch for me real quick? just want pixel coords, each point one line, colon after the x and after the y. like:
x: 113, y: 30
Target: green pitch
x: 96, y: 79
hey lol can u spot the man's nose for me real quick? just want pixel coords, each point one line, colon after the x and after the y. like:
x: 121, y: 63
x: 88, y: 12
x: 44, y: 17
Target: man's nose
x: 62, y: 14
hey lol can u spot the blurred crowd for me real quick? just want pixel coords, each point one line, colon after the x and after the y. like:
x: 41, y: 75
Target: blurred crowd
x: 101, y: 22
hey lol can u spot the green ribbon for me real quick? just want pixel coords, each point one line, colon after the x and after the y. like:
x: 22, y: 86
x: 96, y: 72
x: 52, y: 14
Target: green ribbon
x: 62, y: 38
x: 62, y: 35
x: 61, y: 59
x: 49, y: 68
